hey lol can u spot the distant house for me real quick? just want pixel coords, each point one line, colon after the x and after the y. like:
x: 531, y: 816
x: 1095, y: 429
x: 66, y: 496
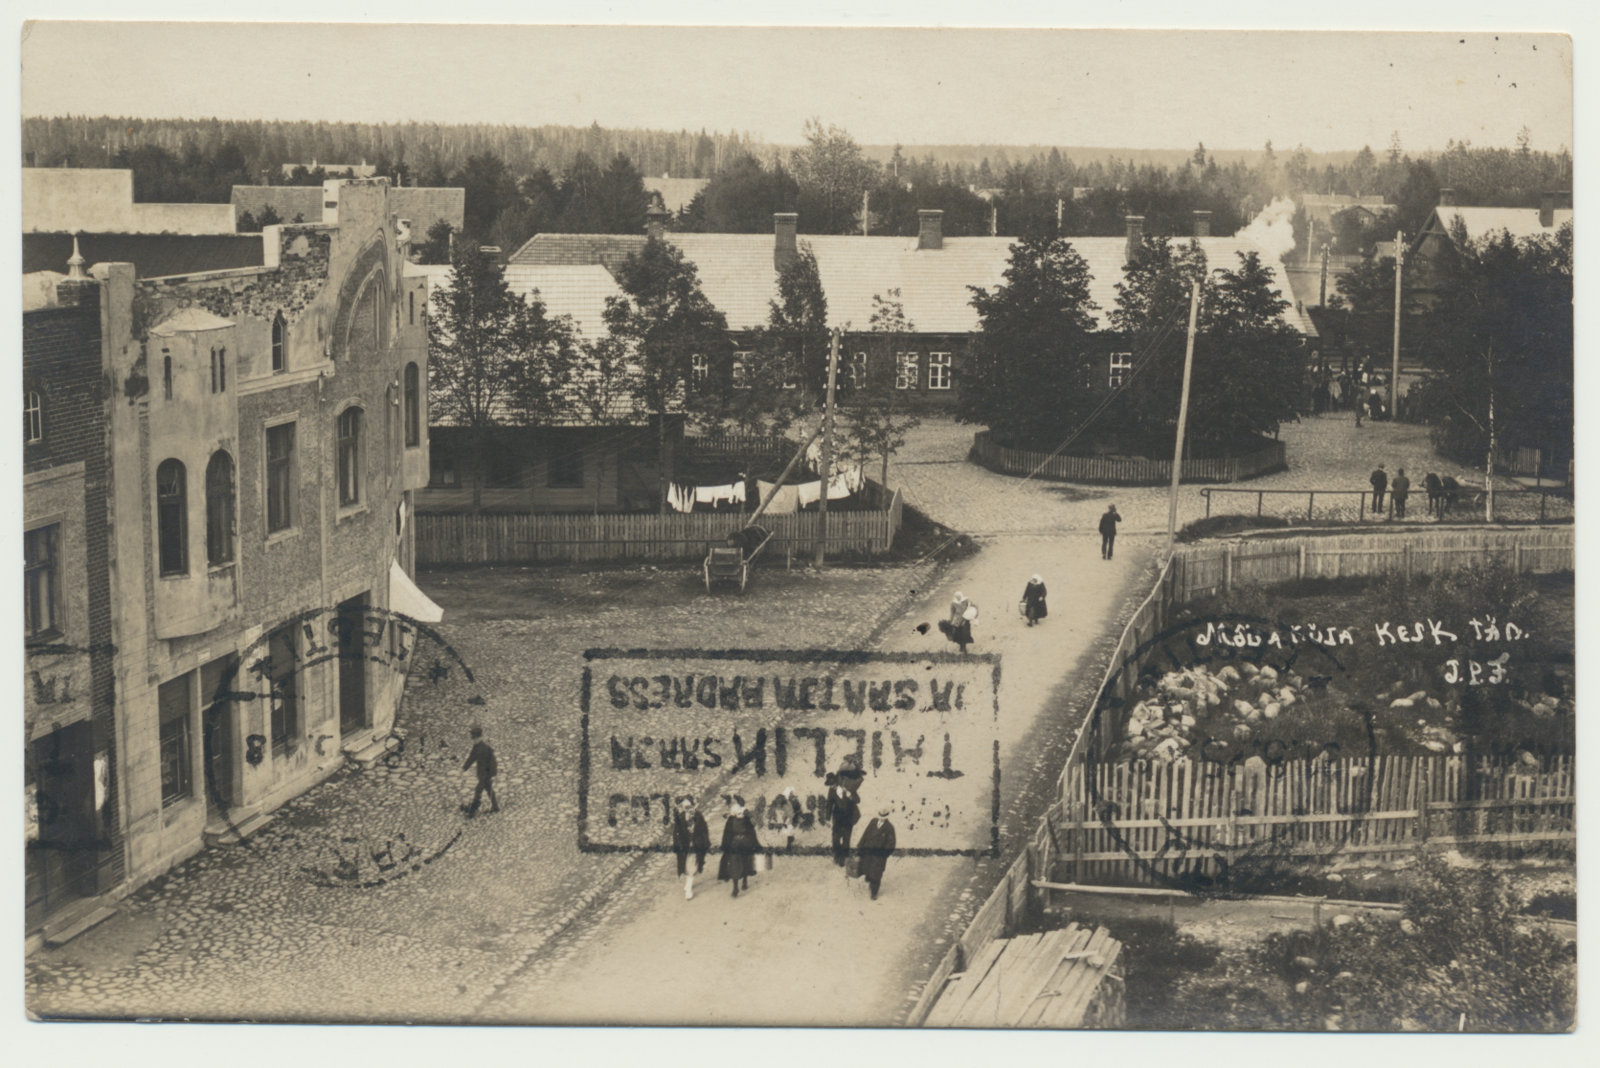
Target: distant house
x: 1321, y: 208
x: 422, y: 207
x: 933, y: 273
x: 72, y: 200
x: 1437, y: 239
x: 577, y: 463
x: 349, y: 170
x: 674, y: 194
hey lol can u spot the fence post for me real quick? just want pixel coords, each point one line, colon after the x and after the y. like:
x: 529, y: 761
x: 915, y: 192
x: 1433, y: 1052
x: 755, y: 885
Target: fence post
x: 1300, y: 571
x: 1421, y: 799
x: 1227, y: 568
x: 1516, y: 557
x: 1077, y: 838
x: 1311, y: 503
x: 1405, y: 561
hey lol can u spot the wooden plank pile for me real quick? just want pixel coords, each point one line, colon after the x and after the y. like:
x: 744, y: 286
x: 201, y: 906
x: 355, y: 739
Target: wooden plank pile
x: 1068, y: 978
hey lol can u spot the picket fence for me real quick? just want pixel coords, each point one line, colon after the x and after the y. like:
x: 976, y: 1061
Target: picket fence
x: 1124, y: 472
x: 576, y: 538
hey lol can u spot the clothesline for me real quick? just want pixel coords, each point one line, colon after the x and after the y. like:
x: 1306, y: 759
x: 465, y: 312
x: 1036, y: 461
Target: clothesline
x: 848, y: 479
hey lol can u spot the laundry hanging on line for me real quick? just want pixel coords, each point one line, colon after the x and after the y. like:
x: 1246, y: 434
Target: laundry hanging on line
x: 681, y: 496
x: 715, y: 495
x: 784, y: 502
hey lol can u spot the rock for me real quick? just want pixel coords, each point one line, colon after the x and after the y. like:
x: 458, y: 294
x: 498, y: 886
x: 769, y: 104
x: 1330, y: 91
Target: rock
x: 1308, y: 963
x: 1228, y: 673
x: 1244, y: 708
x: 1269, y: 672
x: 1433, y: 703
x: 1302, y: 986
x: 1271, y: 711
x: 1250, y: 670
x: 1435, y: 745
x: 1343, y: 919
x: 1241, y: 731
x: 1188, y: 721
x: 1418, y: 696
x: 1402, y: 702
x: 1408, y: 927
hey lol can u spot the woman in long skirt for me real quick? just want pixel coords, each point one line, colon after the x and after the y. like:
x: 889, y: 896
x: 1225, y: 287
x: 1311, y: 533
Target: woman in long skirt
x: 1033, y: 606
x: 739, y: 848
x: 958, y: 627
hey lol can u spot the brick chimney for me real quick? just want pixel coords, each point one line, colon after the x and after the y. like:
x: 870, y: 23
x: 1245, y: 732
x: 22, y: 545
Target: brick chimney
x: 1547, y: 208
x: 1202, y: 224
x: 655, y: 223
x: 1447, y: 197
x: 784, y: 225
x: 1135, y: 236
x: 930, y: 228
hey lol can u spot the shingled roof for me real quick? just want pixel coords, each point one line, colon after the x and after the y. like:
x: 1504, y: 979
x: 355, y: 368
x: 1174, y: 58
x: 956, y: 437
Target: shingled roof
x: 1488, y: 222
x: 737, y: 273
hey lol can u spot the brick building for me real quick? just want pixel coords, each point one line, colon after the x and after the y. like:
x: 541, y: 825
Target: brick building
x: 261, y: 431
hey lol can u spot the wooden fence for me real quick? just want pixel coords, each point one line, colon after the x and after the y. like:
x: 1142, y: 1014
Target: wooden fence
x: 576, y: 538
x: 1209, y: 569
x: 1122, y: 472
x: 1148, y: 821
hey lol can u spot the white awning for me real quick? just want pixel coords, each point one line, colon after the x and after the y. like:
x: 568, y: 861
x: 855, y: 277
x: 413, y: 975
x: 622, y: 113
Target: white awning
x: 406, y: 599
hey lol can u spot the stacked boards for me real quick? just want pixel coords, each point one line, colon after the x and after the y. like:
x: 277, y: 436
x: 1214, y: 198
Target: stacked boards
x: 1069, y: 978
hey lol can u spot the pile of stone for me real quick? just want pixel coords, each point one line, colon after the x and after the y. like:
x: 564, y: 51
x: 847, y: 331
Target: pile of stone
x: 1161, y: 726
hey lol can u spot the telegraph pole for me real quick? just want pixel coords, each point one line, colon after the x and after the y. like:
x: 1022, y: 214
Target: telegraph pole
x: 1183, y: 415
x: 1488, y: 461
x: 1394, y: 378
x: 827, y: 449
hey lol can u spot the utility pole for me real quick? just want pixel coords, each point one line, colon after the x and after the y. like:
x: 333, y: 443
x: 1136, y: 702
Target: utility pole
x: 1322, y: 288
x: 866, y: 211
x: 1394, y: 378
x: 1183, y: 415
x: 827, y: 449
x: 1488, y: 460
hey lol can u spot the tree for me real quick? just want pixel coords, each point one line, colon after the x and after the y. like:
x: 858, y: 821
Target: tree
x: 798, y: 321
x: 1501, y: 334
x: 490, y: 189
x: 832, y: 174
x: 495, y: 359
x: 436, y: 249
x: 742, y: 198
x: 665, y: 320
x: 623, y: 201
x: 1030, y: 368
x: 878, y: 415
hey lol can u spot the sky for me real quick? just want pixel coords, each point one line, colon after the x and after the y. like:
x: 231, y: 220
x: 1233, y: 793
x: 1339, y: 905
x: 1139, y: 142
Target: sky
x: 1116, y: 88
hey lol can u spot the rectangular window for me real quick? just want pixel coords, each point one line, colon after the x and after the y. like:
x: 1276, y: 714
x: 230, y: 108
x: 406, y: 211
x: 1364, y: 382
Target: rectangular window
x: 441, y: 468
x: 348, y: 457
x: 564, y: 469
x: 699, y: 369
x: 166, y: 374
x: 284, y: 695
x: 905, y: 370
x: 938, y: 370
x: 857, y: 378
x: 42, y: 581
x: 280, y: 477
x: 176, y: 702
x: 741, y: 370
x: 32, y: 418
x: 1121, y: 364
x: 411, y: 308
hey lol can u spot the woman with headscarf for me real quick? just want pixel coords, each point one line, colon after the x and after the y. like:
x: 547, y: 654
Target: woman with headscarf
x: 958, y: 627
x: 739, y: 848
x: 783, y: 815
x: 1033, y: 606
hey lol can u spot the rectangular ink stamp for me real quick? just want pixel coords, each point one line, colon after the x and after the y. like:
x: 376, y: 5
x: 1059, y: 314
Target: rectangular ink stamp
x: 914, y: 733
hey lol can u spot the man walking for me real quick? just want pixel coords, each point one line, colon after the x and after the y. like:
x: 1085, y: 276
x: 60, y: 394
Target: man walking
x: 690, y: 835
x: 1108, y: 531
x: 846, y: 811
x: 1398, y: 491
x: 877, y: 842
x: 1380, y: 482
x: 481, y: 756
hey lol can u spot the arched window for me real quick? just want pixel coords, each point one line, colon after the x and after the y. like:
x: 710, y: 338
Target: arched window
x: 219, y: 509
x: 280, y: 343
x: 172, y: 518
x: 350, y: 456
x: 413, y: 404
x: 33, y: 417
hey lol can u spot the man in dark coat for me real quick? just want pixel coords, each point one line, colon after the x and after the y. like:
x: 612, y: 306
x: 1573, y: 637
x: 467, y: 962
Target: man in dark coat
x: 846, y: 811
x: 1108, y: 531
x: 739, y: 848
x: 1399, y: 489
x: 877, y: 842
x: 481, y: 757
x: 690, y: 834
x: 1380, y: 482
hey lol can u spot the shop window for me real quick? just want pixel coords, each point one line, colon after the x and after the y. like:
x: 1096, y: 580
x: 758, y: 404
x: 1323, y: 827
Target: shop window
x: 176, y: 702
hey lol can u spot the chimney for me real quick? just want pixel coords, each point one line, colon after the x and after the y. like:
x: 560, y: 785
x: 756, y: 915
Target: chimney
x: 1202, y: 224
x: 75, y: 261
x: 655, y: 223
x: 1447, y: 197
x: 930, y: 228
x: 784, y: 224
x: 1135, y: 236
x: 1547, y: 208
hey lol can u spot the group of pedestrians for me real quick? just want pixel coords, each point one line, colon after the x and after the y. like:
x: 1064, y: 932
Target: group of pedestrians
x: 1442, y: 492
x: 742, y: 847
